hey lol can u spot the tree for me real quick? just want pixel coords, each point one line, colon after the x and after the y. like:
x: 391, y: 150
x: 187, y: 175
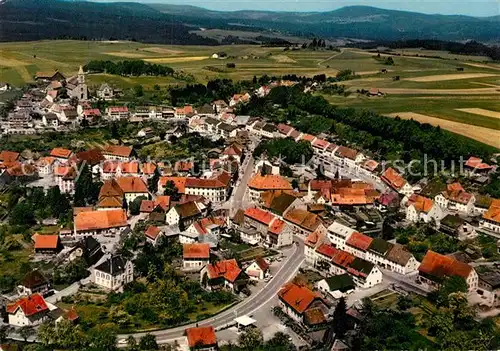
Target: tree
x: 135, y: 206
x: 448, y: 286
x: 251, y: 339
x: 22, y: 214
x: 295, y: 184
x: 102, y: 338
x: 132, y: 344
x: 86, y: 191
x: 340, y: 318
x: 138, y: 91
x: 148, y: 342
x: 26, y: 332
x: 280, y: 341
x: 4, y: 332
x: 171, y: 190
x: 153, y: 181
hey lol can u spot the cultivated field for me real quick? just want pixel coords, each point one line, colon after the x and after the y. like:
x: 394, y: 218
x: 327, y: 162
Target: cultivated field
x: 454, y: 88
x: 485, y: 135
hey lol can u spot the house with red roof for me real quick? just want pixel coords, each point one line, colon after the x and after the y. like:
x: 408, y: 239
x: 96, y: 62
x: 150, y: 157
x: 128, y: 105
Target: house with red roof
x: 491, y: 218
x: 358, y: 244
x: 455, y: 198
x: 153, y: 233
x: 61, y: 154
x: 302, y: 304
x: 261, y: 183
x: 195, y: 256
x: 436, y: 267
x: 65, y: 178
x: 201, y: 338
x: 118, y: 152
x: 225, y: 274
x: 47, y: 244
x: 110, y: 222
x: 476, y: 166
x: 274, y: 231
x: 392, y: 178
x: 312, y: 242
x: 258, y: 269
x: 116, y: 113
x: 422, y: 209
x: 215, y: 188
x: 28, y: 311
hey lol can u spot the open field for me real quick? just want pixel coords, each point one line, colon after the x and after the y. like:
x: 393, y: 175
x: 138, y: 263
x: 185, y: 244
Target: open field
x: 484, y: 135
x: 453, y: 88
x: 481, y: 112
x: 438, y: 78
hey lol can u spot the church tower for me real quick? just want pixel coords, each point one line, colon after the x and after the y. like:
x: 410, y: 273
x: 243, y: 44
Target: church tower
x: 81, y: 76
x: 82, y: 91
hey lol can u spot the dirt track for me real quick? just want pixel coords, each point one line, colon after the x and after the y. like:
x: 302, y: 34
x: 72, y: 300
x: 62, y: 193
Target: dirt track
x: 478, y: 91
x: 444, y: 77
x: 484, y: 135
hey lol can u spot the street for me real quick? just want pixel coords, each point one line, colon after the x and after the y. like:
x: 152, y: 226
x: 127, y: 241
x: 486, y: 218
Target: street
x: 247, y: 307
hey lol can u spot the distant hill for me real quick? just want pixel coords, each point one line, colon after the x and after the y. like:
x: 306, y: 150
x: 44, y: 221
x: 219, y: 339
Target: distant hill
x: 170, y: 24
x: 362, y: 22
x: 54, y: 19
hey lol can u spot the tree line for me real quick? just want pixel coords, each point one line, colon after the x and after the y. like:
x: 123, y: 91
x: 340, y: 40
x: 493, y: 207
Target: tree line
x: 468, y: 48
x: 128, y: 68
x: 387, y: 137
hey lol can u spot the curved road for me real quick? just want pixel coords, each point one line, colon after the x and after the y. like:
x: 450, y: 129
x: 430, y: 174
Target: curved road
x: 248, y: 306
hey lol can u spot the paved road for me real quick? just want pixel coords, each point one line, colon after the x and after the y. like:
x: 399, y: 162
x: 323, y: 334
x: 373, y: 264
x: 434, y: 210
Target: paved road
x: 239, y: 191
x: 249, y: 306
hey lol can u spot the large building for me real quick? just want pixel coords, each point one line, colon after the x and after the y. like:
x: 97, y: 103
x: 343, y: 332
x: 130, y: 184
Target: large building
x: 110, y: 222
x: 436, y: 267
x: 215, y: 189
x: 28, y: 311
x: 262, y: 183
x: 114, y: 273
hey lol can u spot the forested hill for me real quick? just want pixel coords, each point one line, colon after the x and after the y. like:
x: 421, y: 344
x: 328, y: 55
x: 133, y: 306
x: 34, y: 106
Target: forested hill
x: 170, y: 24
x: 362, y: 22
x: 23, y: 20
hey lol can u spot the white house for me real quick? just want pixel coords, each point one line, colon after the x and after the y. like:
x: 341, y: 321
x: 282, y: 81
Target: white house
x: 422, y: 209
x: 337, y: 286
x: 258, y: 269
x: 455, y: 198
x: 195, y: 256
x: 65, y: 178
x: 338, y: 234
x: 113, y: 273
x: 491, y: 219
x: 28, y: 311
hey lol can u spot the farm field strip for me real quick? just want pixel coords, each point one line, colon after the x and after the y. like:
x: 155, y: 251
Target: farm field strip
x: 484, y: 135
x: 481, y: 112
x: 438, y: 78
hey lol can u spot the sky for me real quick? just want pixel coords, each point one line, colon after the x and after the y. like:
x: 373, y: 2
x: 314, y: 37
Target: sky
x: 462, y: 7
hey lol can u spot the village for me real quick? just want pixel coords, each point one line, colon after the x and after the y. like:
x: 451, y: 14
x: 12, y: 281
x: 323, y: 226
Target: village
x: 270, y: 244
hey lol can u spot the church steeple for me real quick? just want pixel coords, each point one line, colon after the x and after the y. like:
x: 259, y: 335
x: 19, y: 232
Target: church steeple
x: 81, y: 76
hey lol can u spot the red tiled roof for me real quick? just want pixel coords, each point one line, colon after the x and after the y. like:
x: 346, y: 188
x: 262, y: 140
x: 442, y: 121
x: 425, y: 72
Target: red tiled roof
x: 304, y: 219
x: 152, y: 232
x: 493, y: 213
x: 455, y: 187
x: 147, y: 206
x: 439, y: 266
x: 346, y: 152
x: 297, y: 297
x: 220, y: 181
x: 259, y: 215
x: 262, y: 263
x: 393, y: 178
x: 118, y: 150
x: 359, y: 241
x: 196, y: 250
x: 118, y: 109
x: 132, y: 185
x: 314, y: 238
x: 320, y: 143
x: 180, y: 183
x: 269, y: 182
x: 284, y: 128
x: 46, y: 241
x: 71, y: 315
x: 66, y: 172
x: 276, y: 226
x: 163, y: 201
x: 343, y: 259
x: 148, y: 168
x: 98, y: 220
x: 182, y: 166
x: 308, y: 137
x: 60, y: 152
x: 201, y: 337
x: 30, y: 305
x: 477, y: 163
x: 421, y: 203
x: 327, y: 250
x: 371, y: 165
x: 92, y: 112
x: 227, y: 269
x: 9, y: 156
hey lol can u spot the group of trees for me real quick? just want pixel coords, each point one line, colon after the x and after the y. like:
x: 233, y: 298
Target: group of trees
x: 199, y: 94
x: 253, y: 340
x: 128, y: 68
x: 289, y: 150
x: 315, y: 44
x: 383, y: 135
x: 420, y: 239
x: 27, y: 205
x: 86, y: 188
